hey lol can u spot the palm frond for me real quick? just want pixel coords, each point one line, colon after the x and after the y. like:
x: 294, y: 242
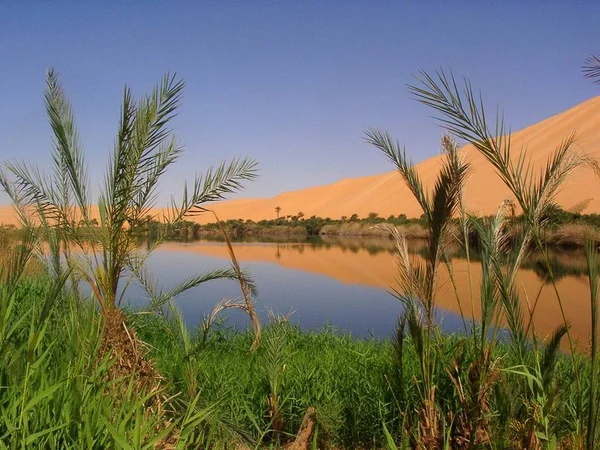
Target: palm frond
x: 492, y: 238
x: 445, y: 199
x: 511, y: 303
x: 558, y: 167
x: 68, y: 159
x: 36, y: 190
x: 142, y: 151
x: 551, y: 353
x: 416, y: 331
x: 114, y: 195
x: 463, y: 114
x: 137, y: 268
x: 145, y: 195
x: 214, y: 185
x: 397, y: 156
x: 17, y: 199
x: 438, y: 207
x: 162, y: 297
x: 591, y: 68
x: 246, y: 286
x: 410, y: 275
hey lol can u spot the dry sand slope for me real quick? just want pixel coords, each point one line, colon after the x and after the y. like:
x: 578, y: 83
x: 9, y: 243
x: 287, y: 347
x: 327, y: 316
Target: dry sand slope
x: 386, y: 194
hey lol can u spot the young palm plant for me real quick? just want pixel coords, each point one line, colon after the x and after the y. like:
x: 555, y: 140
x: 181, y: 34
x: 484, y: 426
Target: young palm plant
x: 418, y: 282
x: 107, y: 256
x: 503, y: 252
x: 463, y: 115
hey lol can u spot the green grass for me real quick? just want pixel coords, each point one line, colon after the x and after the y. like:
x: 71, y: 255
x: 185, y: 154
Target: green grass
x: 355, y: 385
x: 54, y: 391
x: 342, y: 377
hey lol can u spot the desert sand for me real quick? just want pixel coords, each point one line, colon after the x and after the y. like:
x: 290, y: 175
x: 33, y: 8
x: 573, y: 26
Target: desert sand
x: 386, y: 194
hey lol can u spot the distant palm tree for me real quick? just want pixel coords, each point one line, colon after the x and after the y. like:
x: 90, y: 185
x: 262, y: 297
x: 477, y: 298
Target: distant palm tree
x: 278, y: 210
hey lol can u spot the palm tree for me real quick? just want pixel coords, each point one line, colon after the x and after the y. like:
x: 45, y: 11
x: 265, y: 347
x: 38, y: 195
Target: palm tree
x: 418, y: 281
x: 277, y: 210
x: 144, y: 149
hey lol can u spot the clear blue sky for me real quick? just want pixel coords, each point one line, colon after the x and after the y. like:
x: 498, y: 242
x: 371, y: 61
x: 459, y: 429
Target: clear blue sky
x: 292, y: 84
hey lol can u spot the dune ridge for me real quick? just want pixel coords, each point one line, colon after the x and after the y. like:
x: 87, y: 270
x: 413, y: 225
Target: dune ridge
x: 386, y: 193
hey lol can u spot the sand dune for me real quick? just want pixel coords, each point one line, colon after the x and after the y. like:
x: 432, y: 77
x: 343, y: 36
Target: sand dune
x: 386, y: 194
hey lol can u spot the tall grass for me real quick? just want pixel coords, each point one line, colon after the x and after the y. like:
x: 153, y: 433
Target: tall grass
x: 223, y: 393
x: 54, y: 388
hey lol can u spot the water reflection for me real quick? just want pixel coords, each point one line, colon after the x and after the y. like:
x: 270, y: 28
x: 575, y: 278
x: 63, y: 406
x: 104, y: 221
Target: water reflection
x: 344, y: 281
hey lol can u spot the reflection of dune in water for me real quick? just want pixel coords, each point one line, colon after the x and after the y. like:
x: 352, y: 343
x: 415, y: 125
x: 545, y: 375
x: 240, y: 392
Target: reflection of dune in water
x: 355, y: 264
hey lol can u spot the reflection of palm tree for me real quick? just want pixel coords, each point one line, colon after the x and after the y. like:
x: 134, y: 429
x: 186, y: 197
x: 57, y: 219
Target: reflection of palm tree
x: 278, y: 253
x: 278, y: 210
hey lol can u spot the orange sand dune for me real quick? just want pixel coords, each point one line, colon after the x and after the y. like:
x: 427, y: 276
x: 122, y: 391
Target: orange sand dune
x: 386, y: 194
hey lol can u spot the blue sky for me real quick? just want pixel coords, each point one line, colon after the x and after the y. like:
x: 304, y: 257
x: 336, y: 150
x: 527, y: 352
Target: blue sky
x: 292, y: 84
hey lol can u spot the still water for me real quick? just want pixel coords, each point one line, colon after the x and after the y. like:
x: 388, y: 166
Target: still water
x: 345, y: 283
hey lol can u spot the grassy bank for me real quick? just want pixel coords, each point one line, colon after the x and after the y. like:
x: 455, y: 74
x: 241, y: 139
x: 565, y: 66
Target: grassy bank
x: 54, y: 390
x: 357, y: 387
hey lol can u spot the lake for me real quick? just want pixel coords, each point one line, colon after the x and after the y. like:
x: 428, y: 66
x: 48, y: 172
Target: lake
x: 344, y: 282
